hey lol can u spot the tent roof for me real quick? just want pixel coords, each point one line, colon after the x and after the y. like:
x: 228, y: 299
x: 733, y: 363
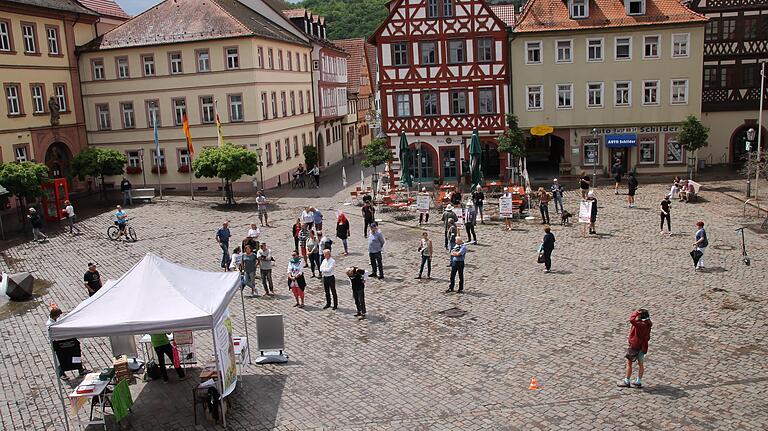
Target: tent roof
x: 154, y: 296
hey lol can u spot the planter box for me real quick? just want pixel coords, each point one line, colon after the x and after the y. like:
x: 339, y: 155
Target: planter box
x: 163, y: 169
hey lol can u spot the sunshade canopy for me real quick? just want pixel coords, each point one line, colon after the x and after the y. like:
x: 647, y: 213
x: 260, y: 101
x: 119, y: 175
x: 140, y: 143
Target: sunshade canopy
x: 154, y: 296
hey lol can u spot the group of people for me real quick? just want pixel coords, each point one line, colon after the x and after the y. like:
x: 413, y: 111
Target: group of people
x: 301, y: 172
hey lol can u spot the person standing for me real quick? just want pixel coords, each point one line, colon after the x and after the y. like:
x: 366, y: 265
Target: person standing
x: 457, y: 265
x: 295, y: 230
x: 265, y: 259
x: 448, y: 216
x: 261, y: 206
x: 296, y: 281
x: 593, y: 213
x: 547, y: 245
x: 543, y: 205
x: 121, y: 220
x: 303, y: 237
x: 452, y: 235
x: 325, y: 242
x: 252, y: 238
x: 470, y: 220
x: 308, y: 217
x: 343, y: 231
x: 557, y: 195
x: 92, y: 279
x: 357, y: 280
x: 456, y: 198
x: 315, y: 172
x: 584, y: 184
x: 317, y: 218
x: 701, y: 243
x: 163, y: 348
x: 126, y: 188
x: 618, y: 172
x: 69, y: 212
x: 375, y: 245
x: 313, y: 250
x: 327, y: 268
x: 222, y: 238
x: 426, y: 255
x: 639, y: 335
x: 236, y: 259
x: 478, y: 197
x: 664, y: 207
x: 507, y: 217
x: 248, y: 267
x: 65, y: 349
x: 369, y: 211
x: 424, y: 217
x: 37, y: 223
x: 631, y: 189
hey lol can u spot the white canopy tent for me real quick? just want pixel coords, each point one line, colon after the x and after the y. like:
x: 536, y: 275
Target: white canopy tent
x: 154, y: 296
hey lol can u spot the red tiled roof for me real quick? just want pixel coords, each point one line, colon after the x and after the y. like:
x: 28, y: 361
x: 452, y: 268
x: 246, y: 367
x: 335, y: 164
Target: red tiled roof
x: 356, y: 51
x: 105, y: 7
x: 553, y: 15
x: 294, y: 13
x: 505, y: 12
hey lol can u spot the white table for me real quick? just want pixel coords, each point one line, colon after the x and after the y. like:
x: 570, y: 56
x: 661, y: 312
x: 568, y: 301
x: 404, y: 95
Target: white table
x: 95, y: 388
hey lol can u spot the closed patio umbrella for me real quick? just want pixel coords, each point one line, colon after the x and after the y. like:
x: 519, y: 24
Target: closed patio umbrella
x: 475, y: 154
x: 405, y: 162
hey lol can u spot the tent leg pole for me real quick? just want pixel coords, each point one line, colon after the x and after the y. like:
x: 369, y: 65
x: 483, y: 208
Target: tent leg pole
x: 221, y: 377
x: 58, y: 381
x: 245, y: 319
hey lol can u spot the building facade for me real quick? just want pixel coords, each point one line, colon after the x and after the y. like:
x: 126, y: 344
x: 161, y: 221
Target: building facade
x: 245, y: 62
x: 443, y: 71
x: 613, y: 79
x: 329, y: 79
x: 360, y: 91
x: 110, y: 14
x: 735, y: 45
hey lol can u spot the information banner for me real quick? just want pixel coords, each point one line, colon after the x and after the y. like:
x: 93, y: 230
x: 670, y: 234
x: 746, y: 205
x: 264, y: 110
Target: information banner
x: 585, y: 211
x: 505, y: 206
x: 225, y: 350
x: 422, y: 203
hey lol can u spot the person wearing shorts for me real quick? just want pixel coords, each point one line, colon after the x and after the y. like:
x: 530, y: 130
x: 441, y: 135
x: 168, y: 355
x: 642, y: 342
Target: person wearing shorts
x: 618, y: 173
x: 631, y: 190
x: 302, y: 242
x: 639, y: 335
x: 261, y: 205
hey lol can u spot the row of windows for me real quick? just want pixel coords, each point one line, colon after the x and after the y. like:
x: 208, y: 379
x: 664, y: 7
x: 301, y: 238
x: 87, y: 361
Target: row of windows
x: 29, y: 38
x: 285, y: 149
x: 334, y: 65
x: 735, y: 28
x: 439, y: 8
x: 647, y: 148
x: 457, y: 99
x: 456, y: 49
x: 202, y: 62
x: 622, y: 49
x: 15, y: 102
x: 743, y: 76
x: 595, y: 94
x: 579, y: 9
x: 334, y: 97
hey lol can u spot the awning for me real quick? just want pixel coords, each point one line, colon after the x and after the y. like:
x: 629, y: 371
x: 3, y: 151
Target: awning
x: 541, y: 130
x: 623, y: 140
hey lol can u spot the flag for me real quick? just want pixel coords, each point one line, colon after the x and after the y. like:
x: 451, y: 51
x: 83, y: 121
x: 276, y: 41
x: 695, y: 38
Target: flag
x: 157, y: 143
x: 185, y: 122
x: 218, y: 123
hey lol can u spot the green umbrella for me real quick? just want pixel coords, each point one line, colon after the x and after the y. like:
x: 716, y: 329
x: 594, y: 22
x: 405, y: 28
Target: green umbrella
x: 475, y: 153
x: 405, y: 162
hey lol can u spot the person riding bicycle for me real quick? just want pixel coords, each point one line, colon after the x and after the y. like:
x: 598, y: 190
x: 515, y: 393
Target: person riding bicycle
x: 298, y: 176
x: 121, y: 220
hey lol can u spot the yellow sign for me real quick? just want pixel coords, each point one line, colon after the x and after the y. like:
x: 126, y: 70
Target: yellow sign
x: 542, y: 130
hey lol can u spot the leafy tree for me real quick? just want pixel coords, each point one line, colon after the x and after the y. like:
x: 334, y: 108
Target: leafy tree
x: 348, y: 18
x: 512, y: 141
x: 23, y: 179
x: 693, y: 135
x: 310, y: 155
x: 376, y: 153
x: 98, y: 162
x: 227, y: 162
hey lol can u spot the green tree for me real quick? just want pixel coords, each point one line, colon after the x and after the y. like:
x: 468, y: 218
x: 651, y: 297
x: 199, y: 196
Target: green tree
x: 348, y: 18
x: 310, y: 156
x: 227, y: 162
x: 376, y: 153
x: 512, y: 141
x: 23, y: 179
x: 693, y: 135
x: 98, y: 162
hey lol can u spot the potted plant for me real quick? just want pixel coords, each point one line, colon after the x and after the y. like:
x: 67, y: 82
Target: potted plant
x: 133, y: 170
x: 184, y: 169
x: 163, y: 169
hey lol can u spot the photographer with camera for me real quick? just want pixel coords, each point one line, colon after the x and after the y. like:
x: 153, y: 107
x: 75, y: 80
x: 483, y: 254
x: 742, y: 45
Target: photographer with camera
x: 639, y: 336
x: 357, y: 278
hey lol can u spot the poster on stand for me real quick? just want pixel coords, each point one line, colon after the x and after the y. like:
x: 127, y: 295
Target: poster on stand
x: 505, y: 206
x: 422, y: 203
x: 185, y: 342
x: 225, y: 350
x: 585, y: 211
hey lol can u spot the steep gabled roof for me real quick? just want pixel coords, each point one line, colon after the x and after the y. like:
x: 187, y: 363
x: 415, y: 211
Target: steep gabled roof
x: 174, y: 21
x: 60, y: 5
x: 295, y: 13
x: 105, y: 8
x: 356, y: 50
x: 505, y: 12
x: 553, y: 15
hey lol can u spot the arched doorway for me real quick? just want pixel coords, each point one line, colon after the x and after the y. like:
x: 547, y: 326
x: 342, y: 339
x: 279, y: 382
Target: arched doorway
x: 58, y: 159
x: 739, y: 144
x: 544, y: 154
x: 490, y: 160
x: 423, y: 170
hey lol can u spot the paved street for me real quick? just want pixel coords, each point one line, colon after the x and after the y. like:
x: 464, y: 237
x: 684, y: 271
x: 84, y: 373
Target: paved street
x: 412, y: 366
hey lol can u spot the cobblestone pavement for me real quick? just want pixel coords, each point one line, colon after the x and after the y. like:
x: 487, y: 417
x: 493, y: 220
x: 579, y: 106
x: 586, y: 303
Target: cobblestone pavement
x: 410, y: 365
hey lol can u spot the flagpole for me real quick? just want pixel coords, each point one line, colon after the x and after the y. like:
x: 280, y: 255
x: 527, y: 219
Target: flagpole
x: 220, y: 139
x: 157, y: 155
x: 191, y: 189
x: 190, y: 151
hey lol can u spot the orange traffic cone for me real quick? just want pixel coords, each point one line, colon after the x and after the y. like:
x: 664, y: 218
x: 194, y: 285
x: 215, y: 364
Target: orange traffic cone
x: 534, y: 386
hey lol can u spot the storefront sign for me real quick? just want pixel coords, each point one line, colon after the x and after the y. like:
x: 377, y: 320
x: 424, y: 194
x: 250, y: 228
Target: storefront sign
x: 640, y: 129
x: 624, y: 140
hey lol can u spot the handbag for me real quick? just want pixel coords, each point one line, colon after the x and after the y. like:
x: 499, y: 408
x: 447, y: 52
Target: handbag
x: 540, y: 259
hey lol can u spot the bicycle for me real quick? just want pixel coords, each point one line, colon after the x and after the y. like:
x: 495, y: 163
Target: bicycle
x: 113, y: 232
x: 298, y: 181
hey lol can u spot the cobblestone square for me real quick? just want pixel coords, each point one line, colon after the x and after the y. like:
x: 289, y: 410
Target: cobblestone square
x: 411, y: 365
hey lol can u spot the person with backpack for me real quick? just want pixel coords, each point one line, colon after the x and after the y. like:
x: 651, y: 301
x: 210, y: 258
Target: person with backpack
x: 638, y: 339
x: 631, y: 189
x: 701, y: 243
x: 296, y: 281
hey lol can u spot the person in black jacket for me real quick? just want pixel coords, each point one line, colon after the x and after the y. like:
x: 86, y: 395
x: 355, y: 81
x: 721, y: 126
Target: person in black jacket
x: 631, y: 189
x: 369, y: 212
x: 618, y: 172
x: 37, y: 223
x: 357, y: 280
x: 547, y: 245
x: 593, y: 216
x: 342, y: 230
x: 295, y: 230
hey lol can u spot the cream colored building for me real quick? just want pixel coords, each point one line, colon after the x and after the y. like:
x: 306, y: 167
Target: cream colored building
x: 246, y: 62
x: 613, y: 79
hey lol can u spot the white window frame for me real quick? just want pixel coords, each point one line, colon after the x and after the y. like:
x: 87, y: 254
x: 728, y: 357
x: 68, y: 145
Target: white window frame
x: 183, y: 157
x: 123, y: 68
x: 129, y: 115
x: 572, y: 9
x: 134, y: 158
x: 148, y: 64
x: 236, y: 107
x: 493, y: 110
x: 616, y: 48
x: 179, y: 109
x: 602, y: 94
x: 629, y: 94
x: 570, y: 51
x: 38, y: 99
x: 203, y: 58
x: 557, y: 95
x: 658, y: 47
x: 672, y: 91
x: 687, y: 53
x: 541, y: 52
x: 642, y: 7
x: 528, y: 92
x: 173, y: 62
x: 398, y: 103
x: 60, y: 91
x: 20, y: 153
x: 602, y: 49
x: 5, y: 36
x: 207, y: 110
x: 658, y: 91
x: 98, y: 70
x: 52, y: 34
x: 29, y: 40
x: 104, y: 117
x: 233, y: 59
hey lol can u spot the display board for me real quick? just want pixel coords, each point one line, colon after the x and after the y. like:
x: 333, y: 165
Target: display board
x: 225, y: 350
x: 505, y: 206
x: 585, y: 211
x: 422, y: 203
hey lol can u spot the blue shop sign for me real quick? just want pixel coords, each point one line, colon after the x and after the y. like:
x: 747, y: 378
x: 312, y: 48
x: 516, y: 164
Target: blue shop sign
x: 624, y: 140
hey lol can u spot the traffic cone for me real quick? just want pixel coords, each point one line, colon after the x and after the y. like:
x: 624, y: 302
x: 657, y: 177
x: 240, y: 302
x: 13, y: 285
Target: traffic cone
x: 534, y: 386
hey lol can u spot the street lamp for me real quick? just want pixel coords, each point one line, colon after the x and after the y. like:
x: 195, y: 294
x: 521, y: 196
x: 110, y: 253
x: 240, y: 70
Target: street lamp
x: 260, y: 164
x: 748, y: 147
x: 597, y: 152
x: 418, y: 163
x: 143, y: 173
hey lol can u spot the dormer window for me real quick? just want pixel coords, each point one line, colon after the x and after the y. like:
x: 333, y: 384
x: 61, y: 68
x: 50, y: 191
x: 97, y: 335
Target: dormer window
x: 635, y: 7
x: 579, y: 8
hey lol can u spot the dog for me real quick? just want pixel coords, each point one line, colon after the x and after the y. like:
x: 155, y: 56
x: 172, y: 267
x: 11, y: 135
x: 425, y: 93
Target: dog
x: 565, y: 218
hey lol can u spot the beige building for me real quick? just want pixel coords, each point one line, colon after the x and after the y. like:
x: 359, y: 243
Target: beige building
x: 613, y: 78
x: 243, y: 60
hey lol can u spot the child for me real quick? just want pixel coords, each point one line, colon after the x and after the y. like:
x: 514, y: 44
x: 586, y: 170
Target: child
x: 237, y: 259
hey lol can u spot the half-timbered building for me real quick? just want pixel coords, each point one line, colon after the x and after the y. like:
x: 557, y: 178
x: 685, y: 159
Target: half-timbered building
x: 443, y: 71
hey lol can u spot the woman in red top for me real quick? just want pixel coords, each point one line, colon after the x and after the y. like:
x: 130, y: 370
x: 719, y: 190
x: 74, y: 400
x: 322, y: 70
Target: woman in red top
x: 295, y: 229
x: 639, y: 336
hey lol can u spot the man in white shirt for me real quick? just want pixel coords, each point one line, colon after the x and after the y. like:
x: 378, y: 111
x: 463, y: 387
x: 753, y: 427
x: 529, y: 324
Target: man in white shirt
x: 252, y: 238
x: 329, y: 280
x: 261, y: 205
x: 69, y: 211
x: 308, y: 217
